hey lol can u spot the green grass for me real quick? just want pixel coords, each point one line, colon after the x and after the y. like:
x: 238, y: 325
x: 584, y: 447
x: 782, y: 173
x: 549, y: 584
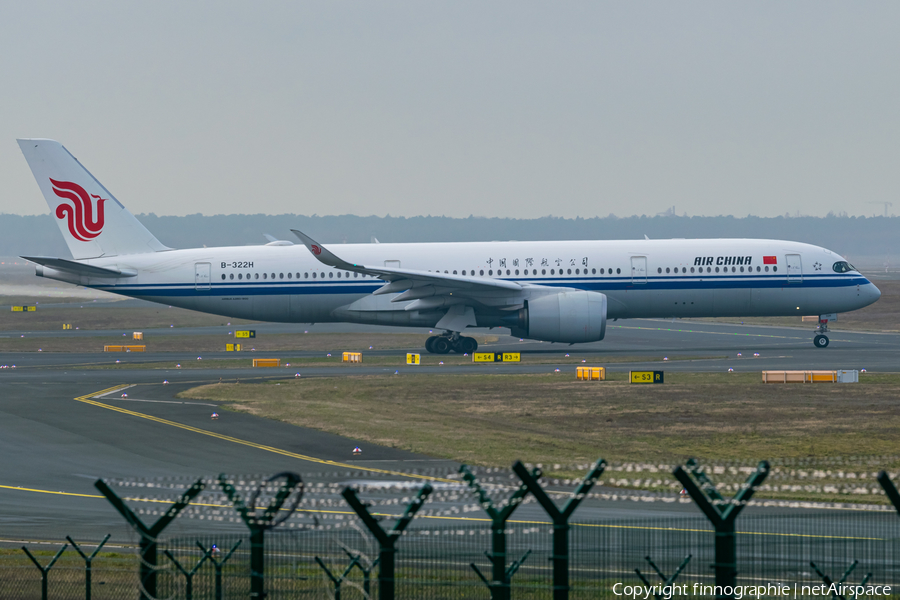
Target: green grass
x: 495, y: 419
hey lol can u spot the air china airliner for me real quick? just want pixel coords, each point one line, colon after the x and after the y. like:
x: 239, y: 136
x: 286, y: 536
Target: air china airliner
x: 551, y: 291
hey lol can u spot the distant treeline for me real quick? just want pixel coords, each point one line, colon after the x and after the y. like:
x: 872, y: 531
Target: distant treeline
x: 850, y: 236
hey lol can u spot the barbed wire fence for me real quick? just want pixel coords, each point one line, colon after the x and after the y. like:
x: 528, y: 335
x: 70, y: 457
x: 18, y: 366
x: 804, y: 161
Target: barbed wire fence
x: 417, y: 534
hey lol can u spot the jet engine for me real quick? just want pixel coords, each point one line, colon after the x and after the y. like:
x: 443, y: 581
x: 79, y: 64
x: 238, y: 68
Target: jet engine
x: 570, y: 316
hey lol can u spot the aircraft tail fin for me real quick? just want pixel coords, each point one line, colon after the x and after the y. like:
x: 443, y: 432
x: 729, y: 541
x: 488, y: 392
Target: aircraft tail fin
x: 91, y: 220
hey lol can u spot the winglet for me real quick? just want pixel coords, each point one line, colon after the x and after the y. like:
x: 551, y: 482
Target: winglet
x: 323, y: 255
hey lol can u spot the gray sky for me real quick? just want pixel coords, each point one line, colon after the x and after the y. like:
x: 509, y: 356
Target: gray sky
x: 489, y: 108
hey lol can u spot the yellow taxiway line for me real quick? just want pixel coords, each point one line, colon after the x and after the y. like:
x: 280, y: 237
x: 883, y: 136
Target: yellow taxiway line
x: 89, y: 399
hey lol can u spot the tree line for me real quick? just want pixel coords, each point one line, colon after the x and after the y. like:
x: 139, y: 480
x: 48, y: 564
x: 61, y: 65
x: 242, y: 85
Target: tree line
x: 853, y: 237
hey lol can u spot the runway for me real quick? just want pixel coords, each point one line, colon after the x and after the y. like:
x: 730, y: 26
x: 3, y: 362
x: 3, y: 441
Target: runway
x: 55, y: 443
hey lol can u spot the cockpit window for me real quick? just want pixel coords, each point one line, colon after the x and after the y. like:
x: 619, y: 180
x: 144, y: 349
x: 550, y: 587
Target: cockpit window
x: 843, y: 266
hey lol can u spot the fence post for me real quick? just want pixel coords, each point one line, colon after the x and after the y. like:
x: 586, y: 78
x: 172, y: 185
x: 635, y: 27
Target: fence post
x: 366, y: 571
x: 337, y: 581
x: 258, y: 524
x: 829, y: 582
x: 387, y: 540
x: 87, y: 563
x: 500, y: 577
x: 667, y: 581
x: 890, y: 489
x: 45, y: 570
x: 560, y: 519
x: 188, y: 575
x: 218, y: 564
x: 722, y: 517
x: 150, y: 534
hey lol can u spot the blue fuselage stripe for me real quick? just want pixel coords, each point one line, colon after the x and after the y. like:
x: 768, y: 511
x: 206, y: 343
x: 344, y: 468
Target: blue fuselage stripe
x: 591, y: 284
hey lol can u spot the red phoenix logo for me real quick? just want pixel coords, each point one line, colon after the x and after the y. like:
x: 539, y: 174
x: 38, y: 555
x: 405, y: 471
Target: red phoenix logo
x: 80, y: 214
x: 316, y: 250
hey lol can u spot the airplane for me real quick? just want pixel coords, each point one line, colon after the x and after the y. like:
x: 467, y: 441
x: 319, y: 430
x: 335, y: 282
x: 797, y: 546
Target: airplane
x: 554, y: 291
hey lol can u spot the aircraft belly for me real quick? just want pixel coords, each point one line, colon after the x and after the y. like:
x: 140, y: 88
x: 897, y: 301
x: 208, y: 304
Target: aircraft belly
x: 782, y: 301
x: 734, y: 302
x: 688, y: 302
x: 316, y: 308
x: 274, y: 307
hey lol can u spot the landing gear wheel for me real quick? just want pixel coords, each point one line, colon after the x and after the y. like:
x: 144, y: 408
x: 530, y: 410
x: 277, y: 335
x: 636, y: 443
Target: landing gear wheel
x: 467, y: 345
x: 821, y: 341
x: 440, y: 345
x: 429, y: 343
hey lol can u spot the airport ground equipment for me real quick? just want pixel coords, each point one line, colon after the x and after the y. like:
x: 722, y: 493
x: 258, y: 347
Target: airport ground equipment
x: 387, y: 540
x: 848, y: 376
x: 125, y: 348
x: 259, y: 522
x: 667, y: 581
x: 722, y: 514
x: 149, y: 535
x: 266, y: 362
x: 590, y: 373
x: 352, y: 357
x: 188, y: 575
x: 45, y: 571
x: 500, y: 574
x: 560, y: 518
x: 137, y: 335
x: 804, y: 376
x: 88, y: 560
x: 218, y: 565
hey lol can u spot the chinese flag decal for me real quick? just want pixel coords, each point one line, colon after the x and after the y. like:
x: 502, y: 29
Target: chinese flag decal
x: 770, y: 260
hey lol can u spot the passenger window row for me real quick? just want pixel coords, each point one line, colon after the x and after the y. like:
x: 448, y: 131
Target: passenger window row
x: 724, y: 269
x: 526, y: 272
x: 313, y: 275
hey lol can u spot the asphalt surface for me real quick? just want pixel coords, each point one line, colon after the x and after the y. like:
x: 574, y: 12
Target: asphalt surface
x: 55, y: 441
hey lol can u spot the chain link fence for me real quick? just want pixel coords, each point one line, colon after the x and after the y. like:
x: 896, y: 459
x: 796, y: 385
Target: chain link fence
x: 436, y: 562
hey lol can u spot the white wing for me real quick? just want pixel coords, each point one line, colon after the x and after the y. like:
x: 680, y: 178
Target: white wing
x: 427, y: 289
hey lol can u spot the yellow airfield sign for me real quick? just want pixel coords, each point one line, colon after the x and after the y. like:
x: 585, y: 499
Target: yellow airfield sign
x: 494, y: 357
x: 646, y: 376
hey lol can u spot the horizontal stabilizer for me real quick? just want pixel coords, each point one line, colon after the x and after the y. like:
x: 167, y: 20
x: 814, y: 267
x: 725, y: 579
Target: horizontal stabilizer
x: 71, y: 266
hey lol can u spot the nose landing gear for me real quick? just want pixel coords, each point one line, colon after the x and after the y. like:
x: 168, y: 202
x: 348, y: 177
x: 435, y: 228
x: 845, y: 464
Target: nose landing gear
x: 443, y: 344
x: 821, y: 340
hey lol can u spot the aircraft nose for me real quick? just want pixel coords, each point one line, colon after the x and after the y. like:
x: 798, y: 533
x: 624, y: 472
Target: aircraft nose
x: 869, y: 293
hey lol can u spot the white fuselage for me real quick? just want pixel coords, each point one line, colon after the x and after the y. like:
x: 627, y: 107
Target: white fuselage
x: 641, y: 278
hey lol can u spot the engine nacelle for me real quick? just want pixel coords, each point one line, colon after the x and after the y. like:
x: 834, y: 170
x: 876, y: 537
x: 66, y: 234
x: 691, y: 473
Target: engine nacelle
x: 572, y: 317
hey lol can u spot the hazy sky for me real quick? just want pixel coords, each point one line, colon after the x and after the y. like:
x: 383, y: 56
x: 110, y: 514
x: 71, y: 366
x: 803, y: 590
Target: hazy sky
x: 489, y: 108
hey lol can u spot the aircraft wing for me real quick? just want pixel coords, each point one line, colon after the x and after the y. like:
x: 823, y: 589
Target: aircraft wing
x: 414, y: 284
x: 71, y: 266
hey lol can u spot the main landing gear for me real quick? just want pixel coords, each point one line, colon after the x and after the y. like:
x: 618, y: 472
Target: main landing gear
x: 443, y: 344
x: 821, y: 340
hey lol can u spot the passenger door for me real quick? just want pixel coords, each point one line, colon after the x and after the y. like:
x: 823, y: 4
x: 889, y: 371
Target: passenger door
x: 201, y: 276
x: 638, y: 269
x: 794, y: 268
